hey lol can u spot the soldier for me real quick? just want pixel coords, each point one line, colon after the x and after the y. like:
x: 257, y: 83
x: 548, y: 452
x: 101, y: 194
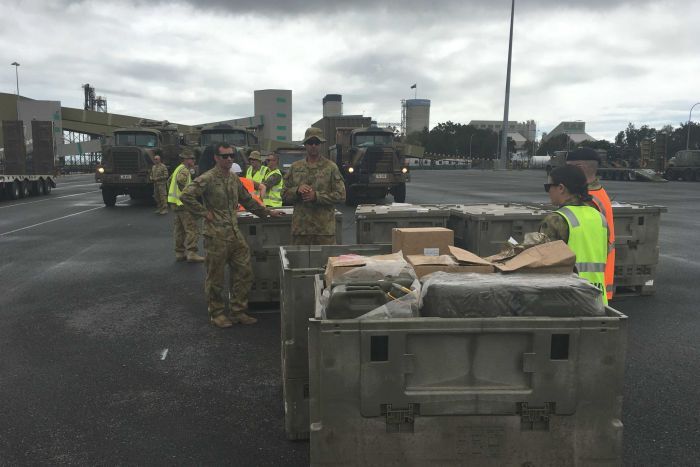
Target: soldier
x: 221, y: 192
x: 578, y: 223
x: 159, y: 177
x: 273, y: 182
x: 256, y: 172
x: 588, y: 160
x: 313, y: 185
x: 186, y: 228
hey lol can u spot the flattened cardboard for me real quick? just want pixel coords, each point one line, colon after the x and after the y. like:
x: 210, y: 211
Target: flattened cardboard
x: 422, y: 240
x: 339, y: 265
x: 552, y: 257
x: 467, y: 257
x: 424, y: 265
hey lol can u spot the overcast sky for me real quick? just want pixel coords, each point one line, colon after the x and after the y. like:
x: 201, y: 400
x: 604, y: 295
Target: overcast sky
x: 607, y: 62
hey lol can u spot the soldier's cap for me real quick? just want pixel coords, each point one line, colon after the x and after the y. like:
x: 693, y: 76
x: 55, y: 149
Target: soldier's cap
x: 255, y: 155
x: 583, y: 154
x: 313, y: 132
x: 186, y: 154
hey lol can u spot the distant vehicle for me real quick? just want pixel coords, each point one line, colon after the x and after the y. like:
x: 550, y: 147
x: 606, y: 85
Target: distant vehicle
x: 289, y: 155
x: 27, y: 167
x: 370, y: 162
x: 242, y: 140
x: 684, y: 165
x: 128, y: 158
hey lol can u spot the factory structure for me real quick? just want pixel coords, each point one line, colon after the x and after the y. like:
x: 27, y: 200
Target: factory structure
x: 415, y: 115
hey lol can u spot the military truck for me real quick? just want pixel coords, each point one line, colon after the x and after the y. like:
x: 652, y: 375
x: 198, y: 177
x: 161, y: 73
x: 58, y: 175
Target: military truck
x: 127, y: 159
x: 241, y: 139
x: 370, y: 162
x: 684, y: 165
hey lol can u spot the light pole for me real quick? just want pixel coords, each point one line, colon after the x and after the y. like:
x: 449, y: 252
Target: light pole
x: 690, y: 115
x: 16, y: 65
x: 470, y: 145
x: 504, y: 137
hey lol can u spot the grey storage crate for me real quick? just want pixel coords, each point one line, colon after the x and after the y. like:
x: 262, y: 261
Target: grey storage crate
x: 484, y: 228
x: 374, y: 223
x: 264, y: 237
x: 299, y: 265
x: 471, y: 391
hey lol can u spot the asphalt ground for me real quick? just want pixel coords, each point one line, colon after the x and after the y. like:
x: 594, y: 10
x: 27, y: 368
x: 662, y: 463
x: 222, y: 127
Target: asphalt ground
x: 106, y: 355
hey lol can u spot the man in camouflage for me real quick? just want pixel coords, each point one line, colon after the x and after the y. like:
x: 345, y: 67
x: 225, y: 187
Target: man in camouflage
x: 313, y: 185
x: 159, y: 177
x: 186, y: 228
x: 221, y: 192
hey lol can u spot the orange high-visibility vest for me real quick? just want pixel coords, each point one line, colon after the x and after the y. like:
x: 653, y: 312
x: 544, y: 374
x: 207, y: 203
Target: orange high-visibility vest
x: 250, y: 188
x: 602, y: 200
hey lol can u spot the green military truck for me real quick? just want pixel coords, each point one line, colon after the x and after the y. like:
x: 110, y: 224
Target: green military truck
x: 371, y: 163
x: 242, y: 140
x: 127, y: 159
x: 684, y: 165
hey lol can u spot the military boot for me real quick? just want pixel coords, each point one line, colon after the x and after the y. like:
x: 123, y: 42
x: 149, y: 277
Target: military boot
x: 180, y: 257
x: 221, y: 321
x: 243, y: 318
x: 194, y: 258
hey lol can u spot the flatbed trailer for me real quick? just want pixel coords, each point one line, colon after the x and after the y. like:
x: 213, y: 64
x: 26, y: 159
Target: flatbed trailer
x: 24, y: 186
x: 629, y: 174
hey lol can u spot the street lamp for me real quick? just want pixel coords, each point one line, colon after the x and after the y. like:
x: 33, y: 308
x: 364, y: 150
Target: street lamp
x: 16, y: 65
x: 687, y: 142
x: 470, y: 145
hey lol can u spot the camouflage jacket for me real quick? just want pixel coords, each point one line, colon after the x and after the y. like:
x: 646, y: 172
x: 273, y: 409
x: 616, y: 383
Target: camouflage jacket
x: 221, y: 193
x: 316, y: 217
x: 159, y: 173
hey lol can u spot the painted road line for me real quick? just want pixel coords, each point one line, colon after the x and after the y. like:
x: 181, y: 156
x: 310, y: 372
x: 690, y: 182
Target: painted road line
x: 48, y: 199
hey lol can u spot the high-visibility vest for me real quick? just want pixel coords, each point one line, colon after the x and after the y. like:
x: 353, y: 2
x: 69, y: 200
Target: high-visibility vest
x: 258, y: 177
x: 273, y: 197
x: 174, y: 190
x: 250, y: 188
x: 588, y: 238
x: 601, y: 199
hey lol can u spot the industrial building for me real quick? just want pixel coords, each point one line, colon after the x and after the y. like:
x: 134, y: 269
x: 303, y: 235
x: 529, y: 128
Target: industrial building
x: 576, y: 131
x: 275, y: 108
x: 417, y: 115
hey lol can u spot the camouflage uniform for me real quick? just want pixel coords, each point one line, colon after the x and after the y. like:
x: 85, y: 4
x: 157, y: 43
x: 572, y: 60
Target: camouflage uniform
x: 186, y: 229
x: 223, y: 241
x: 159, y: 177
x: 313, y: 223
x: 555, y: 227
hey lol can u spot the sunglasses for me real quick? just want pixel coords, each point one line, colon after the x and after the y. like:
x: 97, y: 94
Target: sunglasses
x: 225, y: 156
x: 547, y: 186
x: 313, y: 142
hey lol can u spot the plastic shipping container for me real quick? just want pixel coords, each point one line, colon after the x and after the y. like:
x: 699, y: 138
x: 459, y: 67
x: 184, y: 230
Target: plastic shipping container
x: 299, y: 265
x: 467, y: 391
x: 374, y: 223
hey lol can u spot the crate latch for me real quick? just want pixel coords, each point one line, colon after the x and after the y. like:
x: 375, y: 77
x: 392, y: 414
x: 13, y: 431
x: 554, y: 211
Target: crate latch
x: 535, y: 418
x: 400, y: 420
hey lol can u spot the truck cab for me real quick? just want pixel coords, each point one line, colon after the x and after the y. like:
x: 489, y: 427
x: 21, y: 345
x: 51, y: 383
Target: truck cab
x: 242, y: 140
x: 370, y: 162
x: 128, y: 156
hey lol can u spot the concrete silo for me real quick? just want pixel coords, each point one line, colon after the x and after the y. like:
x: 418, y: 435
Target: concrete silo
x: 417, y: 115
x: 332, y: 105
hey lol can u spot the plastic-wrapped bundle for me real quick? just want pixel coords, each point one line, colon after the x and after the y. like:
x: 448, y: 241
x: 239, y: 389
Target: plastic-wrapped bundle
x: 447, y: 295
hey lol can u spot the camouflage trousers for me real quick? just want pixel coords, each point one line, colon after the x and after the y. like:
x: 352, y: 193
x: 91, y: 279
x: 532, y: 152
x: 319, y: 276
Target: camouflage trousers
x: 313, y: 239
x: 160, y: 194
x: 185, y: 232
x: 234, y: 253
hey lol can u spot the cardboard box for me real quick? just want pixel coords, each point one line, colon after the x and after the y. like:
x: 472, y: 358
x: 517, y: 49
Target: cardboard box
x: 339, y: 265
x: 428, y: 241
x: 553, y: 257
x: 459, y: 261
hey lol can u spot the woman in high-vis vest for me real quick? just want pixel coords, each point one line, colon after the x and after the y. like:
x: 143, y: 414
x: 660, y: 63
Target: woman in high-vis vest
x: 578, y: 223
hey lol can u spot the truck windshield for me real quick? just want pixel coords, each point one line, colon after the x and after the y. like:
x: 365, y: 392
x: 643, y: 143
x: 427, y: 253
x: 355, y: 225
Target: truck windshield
x: 376, y: 139
x: 236, y: 138
x: 146, y: 140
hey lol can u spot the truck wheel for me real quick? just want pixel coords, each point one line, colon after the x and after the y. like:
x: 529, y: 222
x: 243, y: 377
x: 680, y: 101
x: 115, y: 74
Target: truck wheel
x: 631, y: 176
x: 109, y: 197
x: 669, y: 175
x: 44, y: 187
x: 47, y: 186
x: 399, y: 193
x: 687, y: 175
x: 24, y: 190
x: 13, y: 190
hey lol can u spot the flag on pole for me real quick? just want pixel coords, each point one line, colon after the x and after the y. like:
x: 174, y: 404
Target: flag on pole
x: 413, y: 87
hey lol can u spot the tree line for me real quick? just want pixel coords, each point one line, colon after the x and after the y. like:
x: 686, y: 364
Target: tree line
x: 456, y: 139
